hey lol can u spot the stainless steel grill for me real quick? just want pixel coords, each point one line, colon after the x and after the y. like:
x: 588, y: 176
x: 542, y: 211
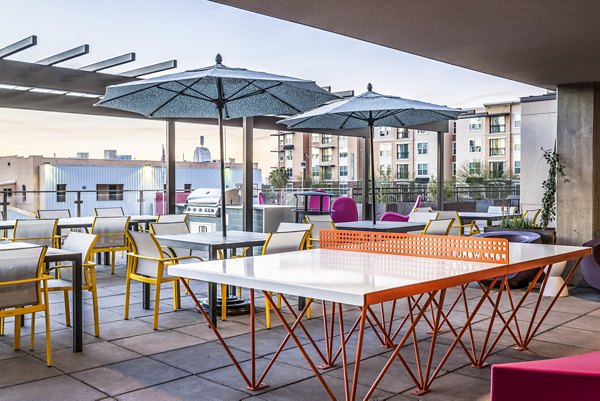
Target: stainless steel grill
x: 207, y: 201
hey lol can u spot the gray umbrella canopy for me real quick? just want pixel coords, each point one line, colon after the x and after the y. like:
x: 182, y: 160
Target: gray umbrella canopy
x: 371, y: 109
x: 216, y: 92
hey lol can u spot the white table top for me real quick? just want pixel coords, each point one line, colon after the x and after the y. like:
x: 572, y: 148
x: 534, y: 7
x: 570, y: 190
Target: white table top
x: 234, y: 239
x: 357, y: 278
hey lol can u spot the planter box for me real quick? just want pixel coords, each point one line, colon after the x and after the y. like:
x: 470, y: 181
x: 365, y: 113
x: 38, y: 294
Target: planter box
x: 547, y: 235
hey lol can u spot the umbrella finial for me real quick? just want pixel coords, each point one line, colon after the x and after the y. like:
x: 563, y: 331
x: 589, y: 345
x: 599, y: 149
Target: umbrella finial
x: 370, y: 87
x: 219, y: 59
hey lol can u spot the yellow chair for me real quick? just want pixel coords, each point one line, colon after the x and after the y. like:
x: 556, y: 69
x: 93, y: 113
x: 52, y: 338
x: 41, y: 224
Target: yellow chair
x: 319, y: 222
x: 24, y: 290
x: 83, y: 244
x: 109, y: 212
x: 146, y: 264
x: 279, y: 242
x: 438, y: 227
x: 172, y: 218
x: 37, y: 231
x: 111, y: 232
x: 459, y: 229
x: 533, y: 215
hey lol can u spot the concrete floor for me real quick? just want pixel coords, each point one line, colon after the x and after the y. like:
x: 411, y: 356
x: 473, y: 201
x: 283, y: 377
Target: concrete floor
x: 182, y: 360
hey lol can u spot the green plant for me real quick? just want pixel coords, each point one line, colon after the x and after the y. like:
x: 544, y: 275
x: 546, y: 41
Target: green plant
x: 555, y: 169
x: 517, y: 223
x: 278, y: 178
x: 448, y: 189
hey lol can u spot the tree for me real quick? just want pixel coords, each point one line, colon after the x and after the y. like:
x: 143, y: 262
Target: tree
x: 278, y: 178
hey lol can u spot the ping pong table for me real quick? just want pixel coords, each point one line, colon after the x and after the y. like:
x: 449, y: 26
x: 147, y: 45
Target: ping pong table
x: 365, y: 269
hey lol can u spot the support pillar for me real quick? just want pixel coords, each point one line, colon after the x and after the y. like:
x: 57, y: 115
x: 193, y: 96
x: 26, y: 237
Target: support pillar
x: 578, y: 145
x: 440, y: 170
x: 366, y: 177
x: 248, y: 174
x: 170, y: 167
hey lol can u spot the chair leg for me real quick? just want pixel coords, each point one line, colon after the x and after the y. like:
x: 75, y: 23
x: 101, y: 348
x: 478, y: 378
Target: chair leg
x: 67, y: 308
x: 1, y: 326
x: 17, y: 342
x: 32, y: 336
x: 156, y: 304
x: 279, y: 301
x: 95, y: 302
x: 239, y: 292
x: 48, y: 340
x: 223, y: 302
x: 308, y: 312
x: 267, y: 314
x: 176, y: 295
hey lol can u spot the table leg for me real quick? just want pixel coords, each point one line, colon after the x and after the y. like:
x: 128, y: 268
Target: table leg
x: 77, y: 306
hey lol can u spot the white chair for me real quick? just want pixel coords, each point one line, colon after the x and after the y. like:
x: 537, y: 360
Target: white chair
x: 319, y: 222
x: 458, y: 228
x: 109, y: 211
x: 111, y: 236
x: 84, y: 244
x: 172, y: 229
x: 53, y: 213
x: 36, y: 231
x: 438, y: 227
x: 24, y: 290
x: 502, y: 209
x: 172, y: 218
x: 147, y: 265
x: 426, y: 209
x: 532, y: 214
x: 422, y: 217
x: 285, y: 227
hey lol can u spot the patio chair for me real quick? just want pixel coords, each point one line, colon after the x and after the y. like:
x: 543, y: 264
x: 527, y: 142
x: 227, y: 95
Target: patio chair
x: 459, y: 229
x: 438, y: 227
x: 109, y: 211
x: 172, y: 218
x: 147, y: 265
x: 570, y: 378
x: 261, y: 198
x: 532, y: 214
x: 111, y: 236
x: 24, y: 290
x: 393, y: 216
x: 173, y: 228
x: 502, y: 209
x: 37, y: 231
x: 286, y: 227
x: 319, y: 222
x: 84, y: 244
x: 422, y: 217
x: 280, y: 242
x: 56, y: 214
x: 343, y: 209
x: 424, y: 209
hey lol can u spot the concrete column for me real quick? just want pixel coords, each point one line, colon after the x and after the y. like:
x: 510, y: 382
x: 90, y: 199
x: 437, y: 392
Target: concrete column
x: 578, y: 144
x: 248, y: 173
x: 170, y: 166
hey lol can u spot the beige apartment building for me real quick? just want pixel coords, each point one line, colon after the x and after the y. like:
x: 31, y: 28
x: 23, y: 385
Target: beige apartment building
x: 327, y: 159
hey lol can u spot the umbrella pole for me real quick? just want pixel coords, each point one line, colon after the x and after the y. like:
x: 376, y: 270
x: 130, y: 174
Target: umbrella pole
x: 371, y: 129
x: 222, y: 157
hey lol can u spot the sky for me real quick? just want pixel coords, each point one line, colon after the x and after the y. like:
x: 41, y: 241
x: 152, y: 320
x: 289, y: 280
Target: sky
x: 193, y: 32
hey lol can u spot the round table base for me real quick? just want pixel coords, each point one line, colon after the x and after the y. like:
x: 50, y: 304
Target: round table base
x: 235, y: 305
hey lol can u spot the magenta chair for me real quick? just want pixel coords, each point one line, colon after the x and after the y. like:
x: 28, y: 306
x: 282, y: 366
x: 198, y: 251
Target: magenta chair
x: 571, y: 378
x: 261, y: 198
x: 314, y: 202
x: 343, y: 210
x: 391, y: 216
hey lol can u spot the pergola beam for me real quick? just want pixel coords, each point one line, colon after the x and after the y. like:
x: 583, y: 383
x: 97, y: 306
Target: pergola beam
x: 18, y: 46
x: 66, y: 55
x: 111, y: 62
x: 150, y: 69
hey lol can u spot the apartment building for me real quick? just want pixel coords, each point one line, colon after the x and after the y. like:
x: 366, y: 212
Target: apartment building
x: 403, y: 154
x: 328, y: 159
x: 490, y: 139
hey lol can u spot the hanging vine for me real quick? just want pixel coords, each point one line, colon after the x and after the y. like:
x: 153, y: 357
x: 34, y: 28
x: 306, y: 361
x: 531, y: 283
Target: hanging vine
x: 555, y: 169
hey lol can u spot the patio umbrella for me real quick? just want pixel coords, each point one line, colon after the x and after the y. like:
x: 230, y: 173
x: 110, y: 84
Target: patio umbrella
x: 216, y: 92
x: 371, y: 109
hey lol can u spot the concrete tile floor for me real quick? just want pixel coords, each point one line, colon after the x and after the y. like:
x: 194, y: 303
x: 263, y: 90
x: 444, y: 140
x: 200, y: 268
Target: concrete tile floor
x: 183, y: 361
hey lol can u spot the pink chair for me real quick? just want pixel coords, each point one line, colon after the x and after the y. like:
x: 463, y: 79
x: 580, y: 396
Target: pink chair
x: 571, y: 378
x: 261, y: 198
x: 391, y: 216
x: 314, y: 202
x: 344, y: 209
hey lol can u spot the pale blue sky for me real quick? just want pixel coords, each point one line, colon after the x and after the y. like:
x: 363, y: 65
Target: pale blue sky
x: 193, y: 31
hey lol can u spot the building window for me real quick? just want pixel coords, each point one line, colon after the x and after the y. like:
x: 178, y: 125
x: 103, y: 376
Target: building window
x: 315, y: 171
x: 475, y: 145
x: 281, y: 140
x: 474, y: 168
x: 517, y: 144
x: 289, y: 139
x: 454, y: 148
x: 325, y: 139
x: 327, y: 173
x: 517, y: 120
x: 475, y: 124
x: 289, y: 172
x: 109, y: 192
x: 23, y: 193
x: 316, y: 138
x: 327, y: 155
x: 288, y: 154
x: 402, y: 133
x: 422, y: 148
x: 454, y: 127
x: 61, y: 192
x: 422, y: 169
x: 385, y: 150
x: 402, y: 151
x: 7, y: 192
x: 497, y: 169
x: 343, y: 171
x: 343, y: 155
x: 402, y: 171
x: 497, y: 147
x: 453, y: 169
x: 517, y: 167
x: 281, y: 156
x: 497, y: 124
x: 187, y: 188
x: 384, y: 131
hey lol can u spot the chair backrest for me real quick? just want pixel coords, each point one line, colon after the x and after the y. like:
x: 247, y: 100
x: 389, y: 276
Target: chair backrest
x: 417, y: 202
x: 36, y: 231
x: 171, y: 229
x: 261, y: 198
x: 532, y: 214
x: 319, y: 222
x: 111, y: 231
x: 438, y: 227
x: 286, y: 227
x: 422, y: 209
x: 343, y: 209
x: 422, y: 217
x: 172, y: 218
x: 81, y: 243
x: 502, y: 209
x: 21, y: 264
x: 314, y: 202
x: 288, y: 241
x: 109, y: 211
x: 144, y: 244
x: 53, y: 214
